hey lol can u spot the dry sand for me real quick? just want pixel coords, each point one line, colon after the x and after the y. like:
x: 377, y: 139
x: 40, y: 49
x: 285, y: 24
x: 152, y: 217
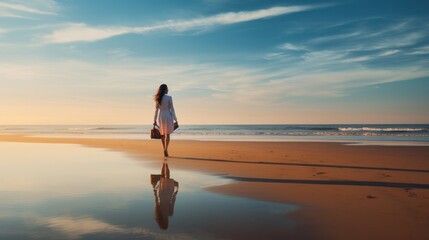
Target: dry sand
x: 345, y: 192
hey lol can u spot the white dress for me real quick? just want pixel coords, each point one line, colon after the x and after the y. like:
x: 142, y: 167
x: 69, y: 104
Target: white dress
x: 164, y: 115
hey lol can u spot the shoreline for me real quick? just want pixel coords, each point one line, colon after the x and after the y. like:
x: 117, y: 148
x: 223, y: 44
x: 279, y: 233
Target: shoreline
x: 344, y: 192
x: 348, y: 140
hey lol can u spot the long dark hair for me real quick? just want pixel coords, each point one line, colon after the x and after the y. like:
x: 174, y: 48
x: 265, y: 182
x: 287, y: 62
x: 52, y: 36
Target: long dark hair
x: 162, y: 90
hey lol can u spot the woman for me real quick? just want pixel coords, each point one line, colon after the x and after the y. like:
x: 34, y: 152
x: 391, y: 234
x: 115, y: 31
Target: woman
x: 164, y: 115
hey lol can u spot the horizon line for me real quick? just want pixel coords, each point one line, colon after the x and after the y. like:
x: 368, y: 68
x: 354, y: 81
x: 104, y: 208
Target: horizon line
x: 123, y: 124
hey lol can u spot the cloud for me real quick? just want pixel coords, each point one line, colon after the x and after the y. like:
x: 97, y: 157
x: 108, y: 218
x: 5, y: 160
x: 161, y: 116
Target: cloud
x: 75, y: 32
x: 123, y: 82
x: 332, y: 65
x: 15, y: 10
x: 420, y: 51
x: 248, y: 85
x: 292, y: 47
x: 337, y: 83
x: 335, y: 37
x: 388, y: 52
x: 400, y: 40
x: 357, y: 59
x: 10, y: 15
x: 369, y: 57
x: 50, y: 4
x: 366, y: 36
x: 128, y: 85
x: 120, y: 53
x: 360, y: 43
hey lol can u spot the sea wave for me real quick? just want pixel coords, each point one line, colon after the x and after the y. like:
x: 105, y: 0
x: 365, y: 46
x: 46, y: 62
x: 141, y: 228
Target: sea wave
x: 319, y: 128
x: 12, y: 128
x: 304, y: 133
x: 278, y: 131
x: 372, y: 129
x: 79, y: 129
x: 96, y: 128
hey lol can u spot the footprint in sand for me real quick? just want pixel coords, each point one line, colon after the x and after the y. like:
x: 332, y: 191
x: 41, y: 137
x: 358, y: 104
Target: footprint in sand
x: 412, y: 194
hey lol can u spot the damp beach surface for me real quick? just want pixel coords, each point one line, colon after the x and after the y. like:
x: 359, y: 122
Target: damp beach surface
x: 67, y: 191
x: 85, y: 188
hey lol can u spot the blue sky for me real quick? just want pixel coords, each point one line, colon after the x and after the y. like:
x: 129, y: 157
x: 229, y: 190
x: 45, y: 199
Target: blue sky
x: 100, y: 61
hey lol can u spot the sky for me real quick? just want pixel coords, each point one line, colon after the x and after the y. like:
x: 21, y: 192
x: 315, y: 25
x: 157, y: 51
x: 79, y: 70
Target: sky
x: 225, y: 61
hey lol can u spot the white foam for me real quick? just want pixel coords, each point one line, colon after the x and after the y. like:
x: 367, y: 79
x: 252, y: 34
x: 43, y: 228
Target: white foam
x: 382, y: 129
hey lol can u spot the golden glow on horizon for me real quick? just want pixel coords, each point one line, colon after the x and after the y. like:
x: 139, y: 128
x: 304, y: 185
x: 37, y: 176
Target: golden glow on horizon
x: 187, y: 113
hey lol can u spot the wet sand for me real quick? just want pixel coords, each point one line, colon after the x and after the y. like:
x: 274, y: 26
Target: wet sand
x: 345, y: 192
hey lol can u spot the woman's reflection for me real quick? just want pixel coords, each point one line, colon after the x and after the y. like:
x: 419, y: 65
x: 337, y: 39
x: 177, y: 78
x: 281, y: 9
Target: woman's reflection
x: 165, y: 190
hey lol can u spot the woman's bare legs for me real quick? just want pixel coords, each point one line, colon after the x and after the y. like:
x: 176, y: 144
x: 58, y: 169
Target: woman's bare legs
x: 165, y: 141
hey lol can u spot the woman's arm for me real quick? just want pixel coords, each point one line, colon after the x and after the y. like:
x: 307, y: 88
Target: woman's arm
x: 156, y: 115
x: 173, y: 113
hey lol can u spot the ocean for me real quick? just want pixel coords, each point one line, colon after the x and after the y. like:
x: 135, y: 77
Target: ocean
x: 397, y: 134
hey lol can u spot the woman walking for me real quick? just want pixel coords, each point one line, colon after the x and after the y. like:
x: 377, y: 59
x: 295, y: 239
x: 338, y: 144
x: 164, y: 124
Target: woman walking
x: 164, y: 115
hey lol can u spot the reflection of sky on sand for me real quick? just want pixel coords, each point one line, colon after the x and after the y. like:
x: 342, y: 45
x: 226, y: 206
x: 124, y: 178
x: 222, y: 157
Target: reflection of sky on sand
x: 62, y: 169
x: 61, y: 191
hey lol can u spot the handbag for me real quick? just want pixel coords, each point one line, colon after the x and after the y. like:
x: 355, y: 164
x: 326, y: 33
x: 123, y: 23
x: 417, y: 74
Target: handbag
x: 154, y: 179
x: 154, y: 133
x: 176, y: 125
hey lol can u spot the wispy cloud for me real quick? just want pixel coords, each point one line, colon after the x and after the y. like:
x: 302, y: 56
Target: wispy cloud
x: 361, y: 43
x: 366, y: 36
x: 361, y: 56
x: 120, y: 53
x: 9, y: 14
x: 131, y: 83
x: 389, y: 52
x: 75, y: 32
x: 335, y: 37
x: 420, y: 51
x: 333, y: 73
x: 357, y: 59
x: 292, y: 47
x: 400, y: 40
x: 17, y: 10
x: 337, y: 83
x: 347, y: 59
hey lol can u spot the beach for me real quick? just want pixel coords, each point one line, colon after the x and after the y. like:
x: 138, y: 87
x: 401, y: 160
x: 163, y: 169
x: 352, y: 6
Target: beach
x: 288, y: 120
x: 343, y: 191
